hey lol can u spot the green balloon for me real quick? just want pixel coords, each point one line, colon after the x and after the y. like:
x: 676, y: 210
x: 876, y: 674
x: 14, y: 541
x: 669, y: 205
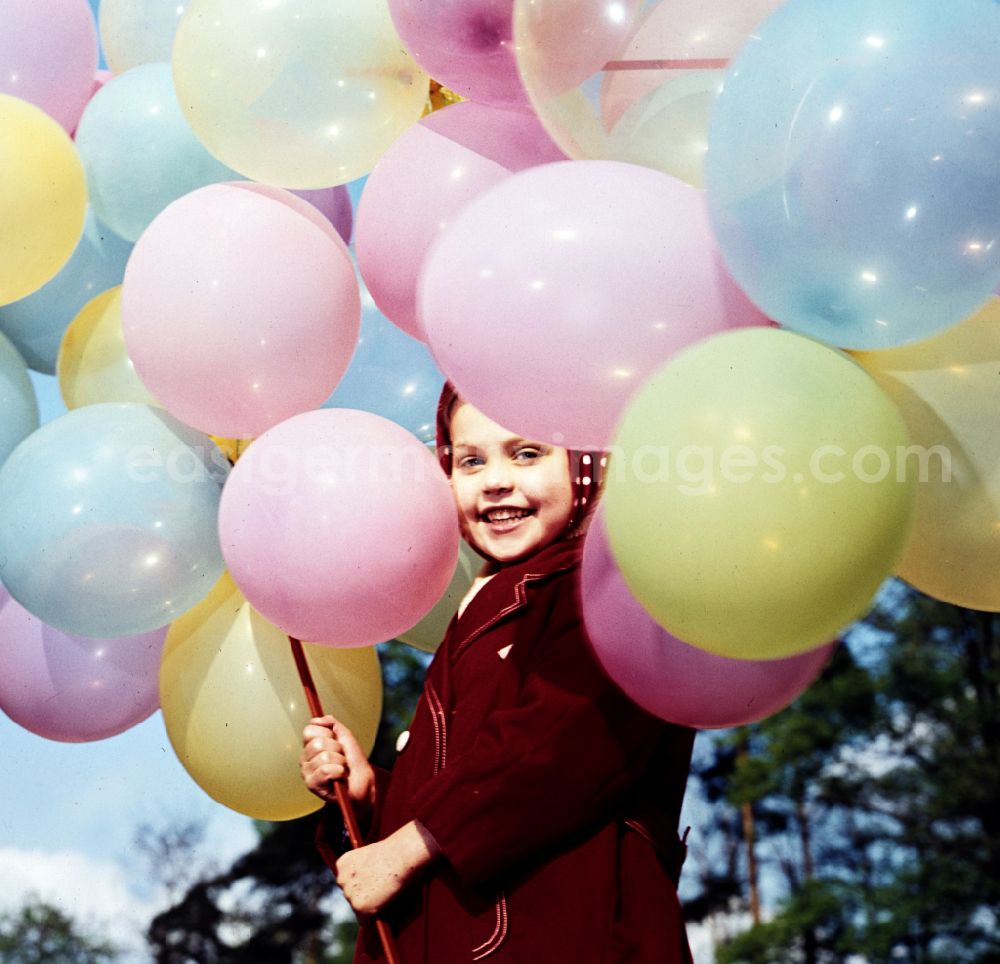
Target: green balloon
x: 759, y: 493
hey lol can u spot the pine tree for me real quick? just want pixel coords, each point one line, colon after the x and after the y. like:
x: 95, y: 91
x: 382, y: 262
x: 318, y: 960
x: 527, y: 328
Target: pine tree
x: 874, y: 796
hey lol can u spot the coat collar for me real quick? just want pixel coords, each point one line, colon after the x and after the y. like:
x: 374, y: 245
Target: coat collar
x: 506, y: 592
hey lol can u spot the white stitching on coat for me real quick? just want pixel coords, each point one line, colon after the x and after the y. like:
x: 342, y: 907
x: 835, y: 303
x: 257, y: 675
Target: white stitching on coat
x: 500, y: 932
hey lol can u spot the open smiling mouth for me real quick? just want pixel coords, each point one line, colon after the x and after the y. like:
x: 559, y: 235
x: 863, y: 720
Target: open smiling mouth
x: 505, y: 518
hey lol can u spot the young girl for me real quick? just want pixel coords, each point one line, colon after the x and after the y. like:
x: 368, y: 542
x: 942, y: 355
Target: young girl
x: 531, y: 815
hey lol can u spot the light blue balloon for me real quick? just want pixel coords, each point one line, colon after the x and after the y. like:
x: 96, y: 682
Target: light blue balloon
x: 355, y: 189
x: 853, y: 170
x: 18, y: 402
x: 138, y: 151
x: 108, y: 520
x: 391, y: 374
x: 36, y: 324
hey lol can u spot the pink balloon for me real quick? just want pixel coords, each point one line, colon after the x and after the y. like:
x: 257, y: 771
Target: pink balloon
x: 48, y: 55
x: 669, y: 678
x: 240, y: 308
x: 512, y: 138
x: 75, y: 688
x: 421, y: 182
x: 466, y: 45
x: 334, y: 203
x: 553, y: 295
x: 563, y: 44
x: 101, y: 77
x: 339, y: 527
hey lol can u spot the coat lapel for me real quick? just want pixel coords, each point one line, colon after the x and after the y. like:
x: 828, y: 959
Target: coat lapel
x: 507, y: 592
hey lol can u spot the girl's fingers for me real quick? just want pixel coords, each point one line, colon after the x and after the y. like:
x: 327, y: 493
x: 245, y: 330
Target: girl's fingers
x: 347, y: 740
x: 317, y: 734
x: 318, y: 726
x: 319, y: 775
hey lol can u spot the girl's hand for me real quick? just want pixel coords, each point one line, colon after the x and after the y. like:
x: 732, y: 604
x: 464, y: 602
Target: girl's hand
x: 371, y: 876
x: 330, y: 752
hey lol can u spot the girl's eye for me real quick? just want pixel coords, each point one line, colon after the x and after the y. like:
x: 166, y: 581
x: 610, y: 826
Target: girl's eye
x: 528, y: 454
x: 469, y: 462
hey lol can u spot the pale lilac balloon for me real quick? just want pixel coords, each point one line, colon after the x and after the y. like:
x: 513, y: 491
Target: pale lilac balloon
x: 669, y: 678
x: 339, y: 527
x: 554, y: 294
x: 466, y: 45
x: 74, y: 688
x: 48, y: 55
x: 513, y: 138
x: 421, y: 182
x: 334, y: 203
x: 240, y: 308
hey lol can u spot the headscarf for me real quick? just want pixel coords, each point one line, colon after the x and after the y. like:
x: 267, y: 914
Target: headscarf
x: 586, y: 469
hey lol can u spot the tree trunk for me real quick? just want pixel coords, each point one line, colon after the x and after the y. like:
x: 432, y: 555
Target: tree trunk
x: 809, y: 943
x: 749, y: 839
x: 805, y: 836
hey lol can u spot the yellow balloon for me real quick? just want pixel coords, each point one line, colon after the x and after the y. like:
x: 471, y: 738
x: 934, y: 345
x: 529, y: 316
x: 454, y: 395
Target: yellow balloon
x: 231, y: 448
x: 93, y: 365
x: 948, y: 389
x: 753, y: 501
x: 234, y: 707
x: 298, y: 93
x: 668, y: 128
x: 429, y: 632
x: 43, y: 198
x: 440, y: 97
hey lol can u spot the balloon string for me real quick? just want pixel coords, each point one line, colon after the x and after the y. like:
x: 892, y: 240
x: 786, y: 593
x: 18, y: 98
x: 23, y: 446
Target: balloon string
x: 692, y: 64
x: 340, y: 790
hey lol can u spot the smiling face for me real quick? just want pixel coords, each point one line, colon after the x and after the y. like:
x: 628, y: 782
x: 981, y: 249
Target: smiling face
x: 513, y: 495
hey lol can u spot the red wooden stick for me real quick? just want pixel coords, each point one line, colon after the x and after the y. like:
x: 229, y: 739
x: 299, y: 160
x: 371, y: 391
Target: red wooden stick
x: 340, y: 789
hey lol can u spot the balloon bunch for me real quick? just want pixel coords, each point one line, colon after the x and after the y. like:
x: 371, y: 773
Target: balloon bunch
x: 239, y: 310
x: 761, y: 483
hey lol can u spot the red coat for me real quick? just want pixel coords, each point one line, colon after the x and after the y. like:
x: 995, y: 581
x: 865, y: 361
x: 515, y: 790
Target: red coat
x: 554, y: 799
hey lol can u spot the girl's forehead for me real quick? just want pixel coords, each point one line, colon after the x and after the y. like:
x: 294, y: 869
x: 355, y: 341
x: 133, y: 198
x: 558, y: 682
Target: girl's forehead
x: 485, y: 442
x: 471, y: 427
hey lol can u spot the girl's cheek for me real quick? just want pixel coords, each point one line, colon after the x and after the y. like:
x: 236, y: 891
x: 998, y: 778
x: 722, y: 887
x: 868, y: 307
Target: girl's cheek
x: 463, y: 527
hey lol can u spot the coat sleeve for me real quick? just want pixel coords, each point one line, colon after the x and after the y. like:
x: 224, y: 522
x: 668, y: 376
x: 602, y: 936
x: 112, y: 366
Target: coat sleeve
x: 560, y: 761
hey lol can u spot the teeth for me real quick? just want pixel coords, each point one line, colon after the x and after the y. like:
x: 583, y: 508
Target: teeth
x: 505, y: 515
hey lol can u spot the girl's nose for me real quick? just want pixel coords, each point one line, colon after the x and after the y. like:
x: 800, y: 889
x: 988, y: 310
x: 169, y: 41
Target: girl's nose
x: 497, y: 477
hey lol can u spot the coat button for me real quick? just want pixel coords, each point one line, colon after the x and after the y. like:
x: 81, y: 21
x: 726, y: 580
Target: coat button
x: 402, y: 740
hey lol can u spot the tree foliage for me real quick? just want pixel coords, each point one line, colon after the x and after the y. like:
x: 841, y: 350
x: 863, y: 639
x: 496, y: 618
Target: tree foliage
x: 38, y: 933
x: 874, y: 797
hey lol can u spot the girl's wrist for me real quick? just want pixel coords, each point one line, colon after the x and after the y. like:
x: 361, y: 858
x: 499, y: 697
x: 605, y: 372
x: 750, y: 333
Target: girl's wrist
x: 415, y: 847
